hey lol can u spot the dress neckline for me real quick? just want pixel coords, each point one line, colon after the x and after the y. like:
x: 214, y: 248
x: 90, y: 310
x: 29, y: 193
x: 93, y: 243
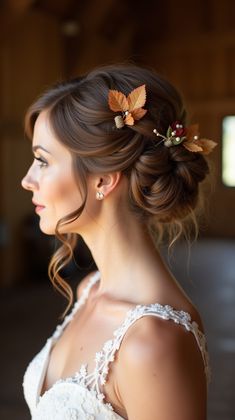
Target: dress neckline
x: 107, y: 353
x: 81, y: 377
x: 58, y: 332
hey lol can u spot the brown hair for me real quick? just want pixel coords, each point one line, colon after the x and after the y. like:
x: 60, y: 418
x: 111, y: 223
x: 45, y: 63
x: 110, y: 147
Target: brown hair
x: 163, y: 182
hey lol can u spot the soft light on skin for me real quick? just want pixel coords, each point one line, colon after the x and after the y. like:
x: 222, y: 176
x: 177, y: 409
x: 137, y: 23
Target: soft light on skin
x: 52, y: 182
x: 109, y: 228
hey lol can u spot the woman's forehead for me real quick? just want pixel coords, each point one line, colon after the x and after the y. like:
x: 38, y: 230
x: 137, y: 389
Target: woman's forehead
x: 44, y: 137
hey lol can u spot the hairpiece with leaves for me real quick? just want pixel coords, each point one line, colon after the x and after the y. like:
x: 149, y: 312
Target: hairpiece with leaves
x: 131, y: 107
x: 187, y: 136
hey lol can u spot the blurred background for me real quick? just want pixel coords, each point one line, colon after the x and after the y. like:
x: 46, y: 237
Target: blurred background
x: 191, y: 43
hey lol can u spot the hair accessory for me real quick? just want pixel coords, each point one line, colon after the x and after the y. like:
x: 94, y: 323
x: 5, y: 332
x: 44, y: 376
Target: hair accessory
x: 99, y: 195
x: 189, y: 137
x: 131, y: 107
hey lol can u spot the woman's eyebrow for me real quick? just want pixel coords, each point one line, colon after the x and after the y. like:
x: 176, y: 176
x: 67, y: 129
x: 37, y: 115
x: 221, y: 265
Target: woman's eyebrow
x: 36, y: 147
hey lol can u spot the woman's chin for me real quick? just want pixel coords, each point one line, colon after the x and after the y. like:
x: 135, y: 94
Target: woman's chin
x: 48, y: 230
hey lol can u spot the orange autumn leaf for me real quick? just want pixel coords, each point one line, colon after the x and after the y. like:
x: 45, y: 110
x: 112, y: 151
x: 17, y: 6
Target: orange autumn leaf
x: 137, y: 98
x: 138, y: 113
x: 130, y: 107
x: 192, y: 146
x: 206, y: 145
x: 117, y: 101
x: 129, y: 120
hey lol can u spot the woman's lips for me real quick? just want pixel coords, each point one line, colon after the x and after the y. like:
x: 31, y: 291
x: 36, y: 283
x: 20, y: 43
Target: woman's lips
x: 38, y: 207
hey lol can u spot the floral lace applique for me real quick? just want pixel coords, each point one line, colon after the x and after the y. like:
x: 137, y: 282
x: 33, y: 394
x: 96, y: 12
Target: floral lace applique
x: 89, y: 399
x: 95, y: 380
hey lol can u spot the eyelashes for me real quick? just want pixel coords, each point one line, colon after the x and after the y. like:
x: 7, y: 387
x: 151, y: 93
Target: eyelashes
x: 41, y: 163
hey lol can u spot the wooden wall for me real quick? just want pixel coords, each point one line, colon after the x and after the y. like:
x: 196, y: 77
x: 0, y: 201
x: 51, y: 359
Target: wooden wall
x: 31, y: 59
x: 191, y: 43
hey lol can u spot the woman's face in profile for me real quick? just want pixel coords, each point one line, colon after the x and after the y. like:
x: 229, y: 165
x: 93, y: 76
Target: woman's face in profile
x: 50, y: 177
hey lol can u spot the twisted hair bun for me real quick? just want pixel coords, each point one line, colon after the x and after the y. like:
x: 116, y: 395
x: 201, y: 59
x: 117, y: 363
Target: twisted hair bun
x: 165, y: 183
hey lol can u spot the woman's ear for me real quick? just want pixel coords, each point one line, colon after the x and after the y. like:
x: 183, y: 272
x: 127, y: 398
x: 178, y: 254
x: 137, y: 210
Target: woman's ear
x: 107, y: 183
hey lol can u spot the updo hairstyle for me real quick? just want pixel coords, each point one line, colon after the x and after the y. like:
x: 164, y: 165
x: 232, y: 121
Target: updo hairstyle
x: 163, y: 181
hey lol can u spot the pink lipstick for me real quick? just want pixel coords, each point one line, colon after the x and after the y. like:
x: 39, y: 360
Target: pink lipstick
x: 38, y: 207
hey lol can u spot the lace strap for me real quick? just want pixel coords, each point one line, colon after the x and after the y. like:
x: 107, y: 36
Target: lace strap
x: 85, y: 293
x: 95, y: 380
x: 107, y: 355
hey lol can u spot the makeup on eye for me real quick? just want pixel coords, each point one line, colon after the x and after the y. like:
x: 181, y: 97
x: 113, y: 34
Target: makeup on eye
x: 42, y: 162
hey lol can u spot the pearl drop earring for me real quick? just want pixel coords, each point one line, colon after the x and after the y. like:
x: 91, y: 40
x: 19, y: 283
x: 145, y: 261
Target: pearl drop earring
x: 99, y: 195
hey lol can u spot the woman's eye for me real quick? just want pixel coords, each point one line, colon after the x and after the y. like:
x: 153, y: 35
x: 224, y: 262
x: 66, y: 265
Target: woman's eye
x: 42, y: 163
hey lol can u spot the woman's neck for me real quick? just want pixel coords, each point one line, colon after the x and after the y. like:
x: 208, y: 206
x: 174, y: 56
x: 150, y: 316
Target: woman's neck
x: 125, y: 255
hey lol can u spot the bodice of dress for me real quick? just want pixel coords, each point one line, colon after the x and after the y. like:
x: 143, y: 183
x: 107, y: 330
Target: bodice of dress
x: 80, y: 396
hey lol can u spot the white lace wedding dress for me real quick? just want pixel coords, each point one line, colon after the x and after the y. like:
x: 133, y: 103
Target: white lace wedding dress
x: 80, y: 397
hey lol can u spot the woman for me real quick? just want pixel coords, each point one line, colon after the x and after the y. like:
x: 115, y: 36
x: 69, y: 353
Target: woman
x: 112, y: 157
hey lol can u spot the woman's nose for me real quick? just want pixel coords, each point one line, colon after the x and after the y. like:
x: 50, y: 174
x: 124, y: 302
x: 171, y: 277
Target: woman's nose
x: 28, y: 183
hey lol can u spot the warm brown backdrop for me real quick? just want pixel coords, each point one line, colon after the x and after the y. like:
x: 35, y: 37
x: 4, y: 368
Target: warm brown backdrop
x: 190, y: 42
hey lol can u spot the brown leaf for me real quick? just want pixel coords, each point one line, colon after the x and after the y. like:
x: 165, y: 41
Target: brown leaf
x: 192, y: 146
x: 206, y: 145
x: 137, y: 98
x: 118, y: 101
x: 129, y: 120
x: 138, y: 113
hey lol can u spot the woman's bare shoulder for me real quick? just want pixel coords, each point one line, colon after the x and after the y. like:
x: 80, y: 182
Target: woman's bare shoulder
x: 167, y: 359
x: 152, y: 334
